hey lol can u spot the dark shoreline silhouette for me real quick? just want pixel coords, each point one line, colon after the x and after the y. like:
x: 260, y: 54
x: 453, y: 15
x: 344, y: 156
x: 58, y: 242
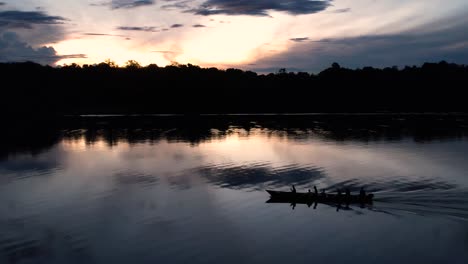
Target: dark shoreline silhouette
x: 36, y: 90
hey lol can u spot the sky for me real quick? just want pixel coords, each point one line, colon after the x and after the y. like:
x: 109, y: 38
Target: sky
x: 257, y: 35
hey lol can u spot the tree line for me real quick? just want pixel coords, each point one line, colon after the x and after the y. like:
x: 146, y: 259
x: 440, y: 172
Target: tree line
x: 105, y: 88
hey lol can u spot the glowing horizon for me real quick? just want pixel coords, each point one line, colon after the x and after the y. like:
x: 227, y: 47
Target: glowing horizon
x: 256, y: 35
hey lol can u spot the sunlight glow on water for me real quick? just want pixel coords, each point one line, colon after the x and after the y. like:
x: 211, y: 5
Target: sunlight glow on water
x: 110, y: 198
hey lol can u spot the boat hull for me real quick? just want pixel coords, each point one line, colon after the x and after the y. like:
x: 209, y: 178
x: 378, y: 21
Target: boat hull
x: 308, y: 198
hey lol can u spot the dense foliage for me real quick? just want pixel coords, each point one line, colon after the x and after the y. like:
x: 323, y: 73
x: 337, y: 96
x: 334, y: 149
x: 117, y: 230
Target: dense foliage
x: 30, y: 88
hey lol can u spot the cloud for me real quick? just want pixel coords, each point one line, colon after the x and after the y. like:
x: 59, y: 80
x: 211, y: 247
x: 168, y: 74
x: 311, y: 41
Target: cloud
x: 125, y: 4
x: 146, y: 29
x: 26, y: 19
x: 36, y: 28
x: 176, y: 25
x: 198, y: 26
x: 299, y: 39
x: 12, y: 49
x: 130, y: 3
x: 407, y: 48
x: 177, y: 5
x: 168, y: 54
x: 103, y: 35
x: 2, y: 3
x: 260, y: 7
x: 342, y: 10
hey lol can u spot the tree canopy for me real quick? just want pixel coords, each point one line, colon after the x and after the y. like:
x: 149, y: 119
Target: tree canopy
x: 133, y: 89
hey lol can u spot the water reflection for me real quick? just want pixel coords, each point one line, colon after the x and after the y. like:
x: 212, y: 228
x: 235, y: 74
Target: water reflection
x: 259, y: 176
x: 37, y: 135
x: 176, y: 190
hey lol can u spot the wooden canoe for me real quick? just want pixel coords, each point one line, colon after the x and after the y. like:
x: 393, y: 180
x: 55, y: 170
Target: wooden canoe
x: 307, y: 198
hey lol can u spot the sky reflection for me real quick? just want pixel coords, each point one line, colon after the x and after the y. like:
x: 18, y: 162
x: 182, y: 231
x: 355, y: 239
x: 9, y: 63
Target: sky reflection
x: 94, y: 198
x: 260, y: 153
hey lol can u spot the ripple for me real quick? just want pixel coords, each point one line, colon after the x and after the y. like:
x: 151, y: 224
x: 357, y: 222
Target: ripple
x: 259, y: 176
x: 423, y: 196
x: 134, y: 177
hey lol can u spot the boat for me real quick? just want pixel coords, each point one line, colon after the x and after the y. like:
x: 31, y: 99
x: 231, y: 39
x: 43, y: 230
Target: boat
x: 310, y: 197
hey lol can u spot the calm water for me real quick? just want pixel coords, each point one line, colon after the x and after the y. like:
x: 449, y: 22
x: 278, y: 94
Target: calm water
x: 177, y: 192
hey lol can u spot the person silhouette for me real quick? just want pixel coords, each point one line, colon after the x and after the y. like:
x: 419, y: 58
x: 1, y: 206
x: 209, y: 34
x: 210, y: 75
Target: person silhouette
x: 339, y: 197
x: 293, y: 189
x: 340, y: 193
x: 347, y: 197
x: 315, y: 190
x: 362, y: 194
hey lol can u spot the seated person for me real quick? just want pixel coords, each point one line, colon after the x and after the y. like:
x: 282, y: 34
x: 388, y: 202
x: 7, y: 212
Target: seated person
x: 293, y: 189
x: 362, y: 193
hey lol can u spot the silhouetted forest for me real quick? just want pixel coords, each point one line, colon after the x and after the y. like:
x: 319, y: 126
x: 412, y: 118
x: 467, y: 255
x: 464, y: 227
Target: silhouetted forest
x: 32, y: 89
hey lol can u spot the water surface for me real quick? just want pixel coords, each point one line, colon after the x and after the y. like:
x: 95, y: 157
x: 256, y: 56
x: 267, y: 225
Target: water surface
x: 159, y: 191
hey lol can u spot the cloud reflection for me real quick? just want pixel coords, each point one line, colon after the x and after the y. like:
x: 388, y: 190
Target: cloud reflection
x: 260, y: 177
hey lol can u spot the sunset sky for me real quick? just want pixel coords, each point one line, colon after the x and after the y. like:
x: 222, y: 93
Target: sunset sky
x: 259, y: 35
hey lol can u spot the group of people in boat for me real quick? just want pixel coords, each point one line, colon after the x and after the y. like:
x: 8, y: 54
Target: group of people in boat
x: 362, y: 192
x: 339, y: 198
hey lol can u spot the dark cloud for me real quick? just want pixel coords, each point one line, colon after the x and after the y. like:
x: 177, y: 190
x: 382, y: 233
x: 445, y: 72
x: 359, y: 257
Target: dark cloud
x: 12, y: 49
x: 25, y: 34
x: 103, y: 35
x: 198, y: 26
x: 120, y: 4
x: 146, y: 29
x: 130, y: 3
x: 176, y: 25
x: 35, y: 28
x: 1, y: 3
x: 26, y: 19
x: 260, y: 7
x: 410, y: 48
x: 177, y: 5
x: 342, y: 10
x: 299, y: 39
